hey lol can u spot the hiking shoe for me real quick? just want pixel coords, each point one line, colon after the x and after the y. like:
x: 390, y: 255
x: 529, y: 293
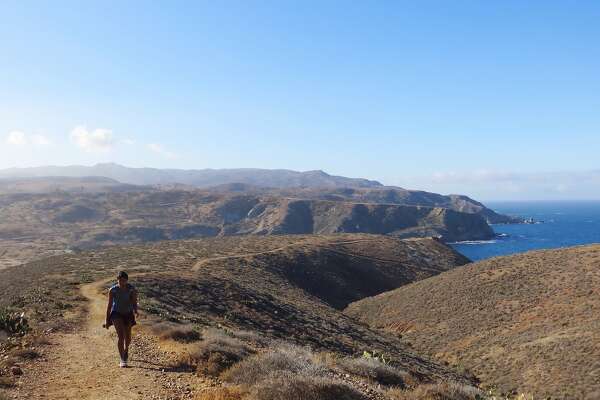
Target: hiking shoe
x: 123, y: 364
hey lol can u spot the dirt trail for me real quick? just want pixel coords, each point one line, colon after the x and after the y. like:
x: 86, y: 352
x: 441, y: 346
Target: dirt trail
x: 197, y: 266
x: 84, y: 364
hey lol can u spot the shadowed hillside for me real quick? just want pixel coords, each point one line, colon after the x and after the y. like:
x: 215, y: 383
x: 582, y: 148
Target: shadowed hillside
x: 527, y: 322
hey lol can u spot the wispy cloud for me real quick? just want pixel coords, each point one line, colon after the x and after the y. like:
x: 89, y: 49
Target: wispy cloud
x: 98, y: 140
x: 18, y: 138
x: 40, y: 140
x: 494, y: 184
x: 159, y: 149
x: 562, y: 178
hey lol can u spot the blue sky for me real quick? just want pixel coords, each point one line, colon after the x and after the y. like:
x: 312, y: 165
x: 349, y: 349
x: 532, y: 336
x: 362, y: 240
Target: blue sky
x: 498, y: 100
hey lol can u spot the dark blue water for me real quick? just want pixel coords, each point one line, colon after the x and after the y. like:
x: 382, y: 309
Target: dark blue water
x: 565, y: 224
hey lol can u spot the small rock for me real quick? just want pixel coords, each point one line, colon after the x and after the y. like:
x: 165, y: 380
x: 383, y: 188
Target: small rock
x: 16, y: 370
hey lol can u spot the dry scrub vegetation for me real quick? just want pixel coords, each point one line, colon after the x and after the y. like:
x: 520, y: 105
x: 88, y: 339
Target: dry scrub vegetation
x: 262, y: 290
x: 526, y: 323
x: 284, y: 371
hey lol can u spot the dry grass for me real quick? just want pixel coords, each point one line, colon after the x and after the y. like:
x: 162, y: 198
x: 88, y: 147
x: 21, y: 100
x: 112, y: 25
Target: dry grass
x: 291, y: 386
x: 6, y: 382
x: 25, y: 354
x: 221, y: 393
x: 524, y: 323
x: 374, y: 370
x: 252, y: 337
x: 282, y: 359
x: 178, y: 333
x: 216, y: 353
x: 437, y: 391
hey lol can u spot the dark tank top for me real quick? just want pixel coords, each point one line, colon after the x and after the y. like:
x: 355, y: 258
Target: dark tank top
x: 122, y: 299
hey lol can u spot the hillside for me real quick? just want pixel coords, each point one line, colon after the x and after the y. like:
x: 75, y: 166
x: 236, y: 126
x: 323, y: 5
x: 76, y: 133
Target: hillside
x: 311, y: 185
x: 35, y: 225
x: 395, y: 195
x: 527, y: 322
x: 289, y: 288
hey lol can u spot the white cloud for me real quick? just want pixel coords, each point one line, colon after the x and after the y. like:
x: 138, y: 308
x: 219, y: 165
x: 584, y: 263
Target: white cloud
x: 96, y: 140
x: 157, y: 148
x: 128, y: 142
x: 18, y: 138
x: 40, y: 140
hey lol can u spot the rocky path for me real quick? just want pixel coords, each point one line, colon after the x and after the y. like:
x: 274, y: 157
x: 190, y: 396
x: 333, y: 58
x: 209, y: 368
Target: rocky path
x: 84, y: 364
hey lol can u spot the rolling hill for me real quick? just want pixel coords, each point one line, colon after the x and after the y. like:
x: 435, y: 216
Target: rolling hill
x: 527, y: 322
x: 37, y: 225
x: 287, y: 289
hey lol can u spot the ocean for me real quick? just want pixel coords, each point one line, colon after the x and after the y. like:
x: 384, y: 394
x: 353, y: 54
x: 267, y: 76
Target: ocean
x: 562, y: 224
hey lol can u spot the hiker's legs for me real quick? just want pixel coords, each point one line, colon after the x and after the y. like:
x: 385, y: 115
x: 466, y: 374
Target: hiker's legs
x: 127, y: 329
x: 120, y: 328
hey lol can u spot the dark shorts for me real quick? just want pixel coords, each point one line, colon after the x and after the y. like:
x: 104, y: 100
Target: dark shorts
x: 128, y: 319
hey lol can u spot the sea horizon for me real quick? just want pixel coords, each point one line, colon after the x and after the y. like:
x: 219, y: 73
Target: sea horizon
x: 557, y: 224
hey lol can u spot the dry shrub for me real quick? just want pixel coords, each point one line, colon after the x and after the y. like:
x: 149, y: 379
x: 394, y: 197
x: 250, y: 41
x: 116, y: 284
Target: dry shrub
x: 221, y: 393
x: 375, y: 370
x: 6, y: 382
x: 290, y: 386
x: 178, y: 333
x: 283, y: 359
x: 25, y: 354
x: 40, y: 341
x: 437, y: 391
x: 249, y: 336
x: 217, y: 352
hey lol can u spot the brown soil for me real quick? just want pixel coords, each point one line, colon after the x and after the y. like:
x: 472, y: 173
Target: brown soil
x: 527, y: 322
x: 84, y: 364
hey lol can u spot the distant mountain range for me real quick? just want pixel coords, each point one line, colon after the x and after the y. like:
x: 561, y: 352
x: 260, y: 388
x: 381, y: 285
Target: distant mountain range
x: 310, y: 185
x: 201, y: 178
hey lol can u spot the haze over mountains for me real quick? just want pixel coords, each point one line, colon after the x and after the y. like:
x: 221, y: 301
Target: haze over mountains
x: 312, y: 185
x: 198, y: 178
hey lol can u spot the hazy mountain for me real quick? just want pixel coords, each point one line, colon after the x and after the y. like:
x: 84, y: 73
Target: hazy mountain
x: 280, y: 178
x: 311, y: 185
x: 88, y: 184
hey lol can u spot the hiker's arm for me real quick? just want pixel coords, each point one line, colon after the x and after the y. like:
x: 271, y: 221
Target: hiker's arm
x: 109, y: 307
x: 134, y: 301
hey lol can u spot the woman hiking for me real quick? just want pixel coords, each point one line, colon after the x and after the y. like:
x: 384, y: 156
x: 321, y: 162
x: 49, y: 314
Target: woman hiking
x: 121, y: 312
